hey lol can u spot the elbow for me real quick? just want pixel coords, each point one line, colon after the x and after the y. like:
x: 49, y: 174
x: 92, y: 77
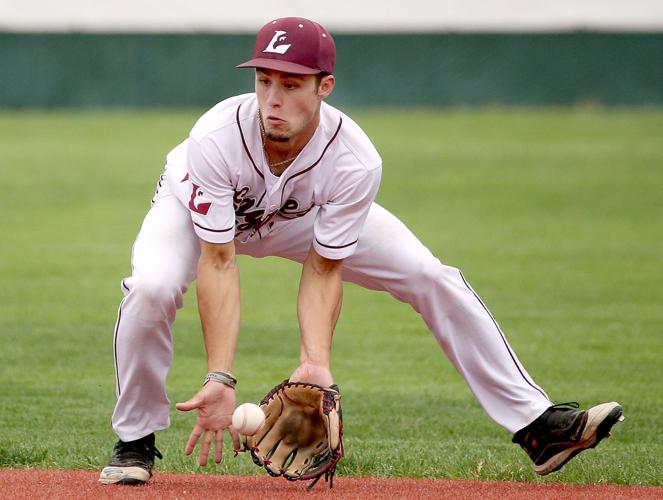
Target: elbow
x: 220, y: 257
x: 225, y: 264
x: 322, y: 265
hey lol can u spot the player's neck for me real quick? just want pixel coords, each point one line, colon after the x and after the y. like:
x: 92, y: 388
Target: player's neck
x: 280, y: 154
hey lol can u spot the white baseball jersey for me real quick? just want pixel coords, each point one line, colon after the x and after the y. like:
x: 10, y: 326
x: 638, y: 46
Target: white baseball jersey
x: 219, y: 179
x: 231, y: 192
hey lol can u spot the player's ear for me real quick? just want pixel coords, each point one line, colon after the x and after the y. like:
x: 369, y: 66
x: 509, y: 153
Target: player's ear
x: 326, y: 86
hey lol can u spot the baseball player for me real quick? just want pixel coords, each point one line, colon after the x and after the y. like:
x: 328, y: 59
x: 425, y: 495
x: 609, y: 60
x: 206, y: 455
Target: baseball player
x: 281, y: 173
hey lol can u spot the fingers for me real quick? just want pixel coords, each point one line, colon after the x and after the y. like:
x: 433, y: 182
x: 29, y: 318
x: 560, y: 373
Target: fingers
x: 189, y: 405
x: 215, y: 405
x: 204, y: 447
x: 218, y: 447
x: 193, y: 439
x: 206, y: 443
x: 237, y: 445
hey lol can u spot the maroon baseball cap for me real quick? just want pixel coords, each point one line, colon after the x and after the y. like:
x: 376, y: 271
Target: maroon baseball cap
x: 294, y: 45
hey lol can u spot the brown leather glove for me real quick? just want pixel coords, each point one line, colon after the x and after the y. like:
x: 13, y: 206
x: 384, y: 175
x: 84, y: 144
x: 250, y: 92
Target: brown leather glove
x: 301, y: 438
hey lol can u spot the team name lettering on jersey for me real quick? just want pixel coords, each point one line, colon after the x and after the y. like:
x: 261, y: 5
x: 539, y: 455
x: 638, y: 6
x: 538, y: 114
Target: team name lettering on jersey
x: 248, y: 215
x: 291, y: 209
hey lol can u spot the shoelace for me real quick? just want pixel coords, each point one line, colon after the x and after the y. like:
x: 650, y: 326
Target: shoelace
x: 565, y: 406
x: 559, y: 415
x: 156, y: 452
x: 132, y: 448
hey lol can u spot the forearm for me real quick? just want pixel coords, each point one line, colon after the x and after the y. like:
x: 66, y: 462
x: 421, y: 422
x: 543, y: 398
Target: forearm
x: 318, y: 308
x: 219, y: 307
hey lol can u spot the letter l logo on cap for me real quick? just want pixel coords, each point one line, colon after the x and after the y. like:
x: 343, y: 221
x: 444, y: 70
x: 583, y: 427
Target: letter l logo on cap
x: 277, y: 49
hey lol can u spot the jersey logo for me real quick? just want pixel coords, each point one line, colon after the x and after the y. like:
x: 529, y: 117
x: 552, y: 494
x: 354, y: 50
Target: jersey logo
x: 249, y: 215
x: 199, y: 202
x: 279, y: 36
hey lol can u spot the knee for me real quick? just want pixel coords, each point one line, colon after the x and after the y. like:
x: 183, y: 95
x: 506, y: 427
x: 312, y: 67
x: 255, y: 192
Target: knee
x: 430, y: 271
x: 158, y: 292
x: 152, y: 298
x: 428, y: 281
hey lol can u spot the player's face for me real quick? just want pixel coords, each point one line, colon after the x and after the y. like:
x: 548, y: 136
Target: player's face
x: 290, y: 103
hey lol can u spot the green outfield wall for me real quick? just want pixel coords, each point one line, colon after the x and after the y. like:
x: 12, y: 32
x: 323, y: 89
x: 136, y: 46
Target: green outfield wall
x: 60, y: 70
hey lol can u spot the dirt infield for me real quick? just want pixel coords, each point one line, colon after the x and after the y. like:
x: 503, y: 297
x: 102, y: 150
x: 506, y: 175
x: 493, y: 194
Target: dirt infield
x: 66, y: 484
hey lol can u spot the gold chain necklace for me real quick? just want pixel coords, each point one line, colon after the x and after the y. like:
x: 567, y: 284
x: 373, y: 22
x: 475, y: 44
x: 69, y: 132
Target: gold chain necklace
x: 282, y: 162
x: 264, y: 136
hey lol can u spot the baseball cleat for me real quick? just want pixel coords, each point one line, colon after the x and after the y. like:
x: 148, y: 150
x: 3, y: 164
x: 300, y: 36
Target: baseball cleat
x: 562, y: 432
x: 124, y: 475
x: 132, y: 462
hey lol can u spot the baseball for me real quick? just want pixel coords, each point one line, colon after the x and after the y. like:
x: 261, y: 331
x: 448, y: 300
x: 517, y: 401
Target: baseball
x: 248, y: 418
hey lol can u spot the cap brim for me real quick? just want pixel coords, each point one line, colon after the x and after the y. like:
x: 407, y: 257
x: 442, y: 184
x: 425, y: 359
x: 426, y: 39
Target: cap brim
x: 275, y: 64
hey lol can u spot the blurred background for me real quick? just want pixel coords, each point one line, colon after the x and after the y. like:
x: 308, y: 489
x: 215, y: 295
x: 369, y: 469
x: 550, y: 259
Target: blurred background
x: 522, y: 142
x: 416, y: 53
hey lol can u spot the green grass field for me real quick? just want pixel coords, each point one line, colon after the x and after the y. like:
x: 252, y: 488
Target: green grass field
x: 555, y: 217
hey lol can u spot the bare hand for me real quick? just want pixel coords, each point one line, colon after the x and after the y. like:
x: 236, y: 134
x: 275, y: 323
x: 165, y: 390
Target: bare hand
x: 313, y: 374
x: 215, y: 403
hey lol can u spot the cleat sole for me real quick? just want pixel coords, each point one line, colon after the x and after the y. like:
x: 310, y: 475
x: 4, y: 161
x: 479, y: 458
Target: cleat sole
x: 124, y: 475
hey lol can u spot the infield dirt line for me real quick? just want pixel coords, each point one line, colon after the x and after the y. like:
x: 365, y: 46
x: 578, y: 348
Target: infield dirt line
x: 76, y: 484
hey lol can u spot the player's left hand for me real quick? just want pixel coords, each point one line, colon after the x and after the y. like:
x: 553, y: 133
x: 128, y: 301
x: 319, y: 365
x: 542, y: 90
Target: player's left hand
x: 312, y: 374
x: 215, y: 404
x: 301, y: 438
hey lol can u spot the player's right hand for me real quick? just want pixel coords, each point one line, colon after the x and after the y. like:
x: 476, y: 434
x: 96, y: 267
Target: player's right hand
x: 215, y: 403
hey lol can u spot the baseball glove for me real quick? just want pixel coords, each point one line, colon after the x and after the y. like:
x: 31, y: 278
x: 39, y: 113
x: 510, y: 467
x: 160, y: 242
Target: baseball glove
x: 301, y: 438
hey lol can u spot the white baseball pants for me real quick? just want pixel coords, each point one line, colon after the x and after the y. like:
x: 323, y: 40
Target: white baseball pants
x: 388, y: 258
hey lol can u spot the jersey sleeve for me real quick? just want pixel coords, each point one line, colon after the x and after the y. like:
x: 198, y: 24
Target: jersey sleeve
x: 211, y: 198
x: 339, y: 222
